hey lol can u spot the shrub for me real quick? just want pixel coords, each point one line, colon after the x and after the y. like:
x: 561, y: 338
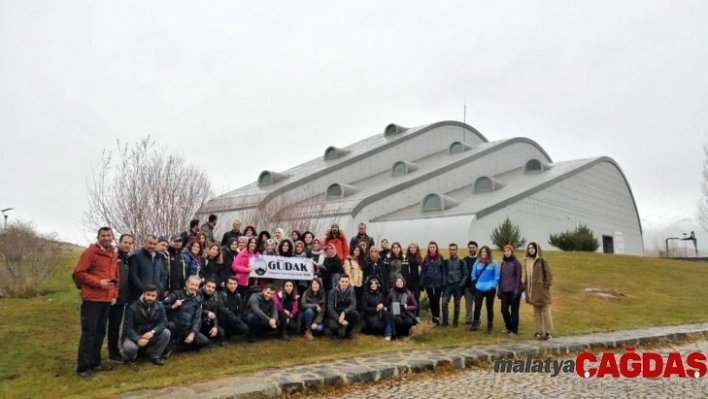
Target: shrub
x: 507, y: 234
x: 580, y: 239
x: 27, y: 259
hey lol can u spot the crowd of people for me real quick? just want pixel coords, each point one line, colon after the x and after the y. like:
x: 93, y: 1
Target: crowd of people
x: 188, y: 290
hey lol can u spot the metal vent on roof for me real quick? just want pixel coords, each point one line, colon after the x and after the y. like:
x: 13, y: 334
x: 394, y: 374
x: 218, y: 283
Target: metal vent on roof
x: 437, y: 202
x: 402, y: 167
x: 486, y: 184
x: 339, y: 190
x: 535, y: 165
x: 267, y: 178
x: 457, y: 147
x: 394, y: 129
x: 334, y: 153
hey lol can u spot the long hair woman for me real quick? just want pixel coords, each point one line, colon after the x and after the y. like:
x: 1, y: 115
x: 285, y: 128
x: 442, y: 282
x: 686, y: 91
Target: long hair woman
x: 485, y: 275
x: 431, y: 278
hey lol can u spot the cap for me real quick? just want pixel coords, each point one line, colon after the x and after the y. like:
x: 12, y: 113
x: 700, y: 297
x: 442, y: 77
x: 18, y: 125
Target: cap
x: 176, y: 237
x: 161, y: 239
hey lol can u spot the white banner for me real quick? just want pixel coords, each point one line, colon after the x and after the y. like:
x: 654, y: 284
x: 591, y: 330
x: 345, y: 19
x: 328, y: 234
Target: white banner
x: 282, y: 268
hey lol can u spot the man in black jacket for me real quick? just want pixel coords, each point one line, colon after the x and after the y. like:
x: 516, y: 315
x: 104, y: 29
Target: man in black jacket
x: 191, y: 233
x: 211, y: 309
x: 235, y: 232
x: 177, y: 275
x: 145, y: 327
x: 115, y: 315
x: 341, y: 308
x: 469, y: 287
x: 361, y: 235
x: 146, y: 267
x: 454, y: 280
x: 232, y: 316
x: 185, y: 315
x: 262, y: 313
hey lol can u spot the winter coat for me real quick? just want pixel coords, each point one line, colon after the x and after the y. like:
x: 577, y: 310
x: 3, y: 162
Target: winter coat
x: 228, y: 261
x: 146, y: 268
x: 340, y: 245
x: 339, y: 302
x: 469, y: 262
x: 311, y: 301
x: 141, y: 318
x: 329, y: 271
x: 177, y: 276
x: 487, y: 278
x: 213, y: 271
x: 378, y: 271
x: 537, y: 278
x: 454, y: 272
x: 188, y: 317
x: 279, y: 301
x: 265, y: 310
x: 396, y: 296
x: 354, y: 242
x: 241, y: 265
x: 431, y: 275
x: 123, y: 278
x: 410, y: 270
x: 97, y: 264
x: 510, y: 277
x: 208, y: 229
x: 192, y: 264
x: 394, y: 267
x: 233, y: 304
x: 211, y: 303
x: 230, y: 235
x: 355, y: 272
x: 370, y: 300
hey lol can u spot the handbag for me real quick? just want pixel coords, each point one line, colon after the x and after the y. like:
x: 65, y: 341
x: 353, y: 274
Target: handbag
x: 474, y: 281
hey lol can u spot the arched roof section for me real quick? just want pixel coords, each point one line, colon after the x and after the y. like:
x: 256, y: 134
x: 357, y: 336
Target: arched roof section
x: 268, y: 178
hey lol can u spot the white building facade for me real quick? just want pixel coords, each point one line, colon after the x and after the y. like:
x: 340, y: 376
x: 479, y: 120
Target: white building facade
x: 445, y: 182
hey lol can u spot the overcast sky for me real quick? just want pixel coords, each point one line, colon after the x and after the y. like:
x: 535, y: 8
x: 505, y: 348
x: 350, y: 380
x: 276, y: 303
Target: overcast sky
x: 239, y: 87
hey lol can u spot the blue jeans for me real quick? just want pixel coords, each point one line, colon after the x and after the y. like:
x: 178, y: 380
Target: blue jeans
x: 309, y: 318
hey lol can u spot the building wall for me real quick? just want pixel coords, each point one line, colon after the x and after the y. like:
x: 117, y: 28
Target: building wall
x: 421, y: 231
x: 597, y: 197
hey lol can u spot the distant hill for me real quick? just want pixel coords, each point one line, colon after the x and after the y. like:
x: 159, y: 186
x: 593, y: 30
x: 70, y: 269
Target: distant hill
x: 655, y: 237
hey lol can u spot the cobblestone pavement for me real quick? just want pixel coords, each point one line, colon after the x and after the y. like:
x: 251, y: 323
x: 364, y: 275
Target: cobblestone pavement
x: 488, y: 384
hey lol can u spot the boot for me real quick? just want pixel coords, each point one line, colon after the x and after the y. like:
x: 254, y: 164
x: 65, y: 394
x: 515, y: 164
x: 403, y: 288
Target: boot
x: 475, y: 325
x: 445, y: 317
x: 490, y: 328
x: 456, y: 315
x: 308, y: 335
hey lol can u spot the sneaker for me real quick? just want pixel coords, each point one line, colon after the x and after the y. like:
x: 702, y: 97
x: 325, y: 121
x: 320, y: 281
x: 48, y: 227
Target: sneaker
x: 455, y: 324
x: 285, y: 337
x: 417, y: 320
x: 348, y: 336
x: 103, y: 367
x: 444, y: 324
x: 166, y: 354
x: 131, y: 362
x: 157, y: 361
x: 512, y: 334
x: 387, y: 338
x: 505, y: 331
x: 475, y: 326
x: 436, y: 321
x: 490, y: 331
x: 537, y: 335
x: 309, y: 336
x: 468, y: 322
x: 85, y: 374
x: 117, y: 359
x: 548, y: 337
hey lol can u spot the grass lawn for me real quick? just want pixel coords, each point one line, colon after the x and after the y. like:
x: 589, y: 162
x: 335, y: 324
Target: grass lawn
x: 40, y: 336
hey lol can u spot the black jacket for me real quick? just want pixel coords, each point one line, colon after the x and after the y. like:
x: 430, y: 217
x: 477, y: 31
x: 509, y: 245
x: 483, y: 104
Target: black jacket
x: 145, y: 268
x: 378, y: 271
x: 340, y: 301
x: 230, y: 235
x: 141, y: 318
x: 410, y: 270
x: 233, y: 305
x: 469, y: 263
x: 188, y: 317
x: 211, y: 303
x: 265, y: 310
x: 328, y: 271
x: 454, y: 272
x: 123, y: 279
x: 371, y: 300
x: 228, y: 261
x: 354, y: 242
x: 178, y: 270
x: 213, y: 271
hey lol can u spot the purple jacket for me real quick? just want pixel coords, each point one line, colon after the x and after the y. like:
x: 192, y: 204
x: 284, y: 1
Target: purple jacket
x: 510, y: 280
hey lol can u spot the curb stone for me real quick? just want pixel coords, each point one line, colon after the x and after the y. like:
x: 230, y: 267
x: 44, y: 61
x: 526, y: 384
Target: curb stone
x: 367, y: 369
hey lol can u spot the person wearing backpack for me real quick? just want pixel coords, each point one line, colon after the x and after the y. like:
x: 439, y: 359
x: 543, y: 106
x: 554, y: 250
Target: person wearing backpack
x: 96, y: 275
x: 485, y: 273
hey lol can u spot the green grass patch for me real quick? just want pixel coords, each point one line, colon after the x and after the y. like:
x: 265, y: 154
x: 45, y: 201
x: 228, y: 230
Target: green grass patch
x: 40, y: 335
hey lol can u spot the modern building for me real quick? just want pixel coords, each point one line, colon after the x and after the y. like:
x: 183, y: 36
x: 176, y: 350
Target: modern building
x: 444, y: 182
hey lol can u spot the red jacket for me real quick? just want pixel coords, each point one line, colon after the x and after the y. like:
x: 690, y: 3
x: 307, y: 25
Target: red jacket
x: 340, y: 245
x: 97, y: 264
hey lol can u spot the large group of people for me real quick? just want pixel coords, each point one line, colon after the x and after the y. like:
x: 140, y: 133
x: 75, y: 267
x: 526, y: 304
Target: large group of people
x: 188, y: 290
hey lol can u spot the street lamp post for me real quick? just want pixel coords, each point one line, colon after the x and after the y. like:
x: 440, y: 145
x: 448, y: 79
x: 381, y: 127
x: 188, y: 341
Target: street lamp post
x: 4, y: 214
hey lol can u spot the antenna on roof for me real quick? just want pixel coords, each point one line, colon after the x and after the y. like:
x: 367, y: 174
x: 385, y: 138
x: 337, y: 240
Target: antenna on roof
x: 464, y: 121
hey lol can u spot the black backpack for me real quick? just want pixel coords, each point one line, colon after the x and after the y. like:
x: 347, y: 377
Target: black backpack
x: 253, y: 289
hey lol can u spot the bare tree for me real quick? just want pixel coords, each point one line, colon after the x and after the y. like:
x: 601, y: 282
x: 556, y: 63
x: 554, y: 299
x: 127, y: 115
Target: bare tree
x: 144, y: 190
x: 27, y: 259
x: 703, y: 204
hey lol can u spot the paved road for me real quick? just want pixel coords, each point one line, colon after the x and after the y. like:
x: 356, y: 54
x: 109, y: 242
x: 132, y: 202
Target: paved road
x: 488, y: 384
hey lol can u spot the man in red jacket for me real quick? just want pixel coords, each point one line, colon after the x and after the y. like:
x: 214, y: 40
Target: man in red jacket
x: 96, y: 275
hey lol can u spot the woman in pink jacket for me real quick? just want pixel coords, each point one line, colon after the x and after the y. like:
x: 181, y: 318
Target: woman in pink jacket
x: 243, y: 264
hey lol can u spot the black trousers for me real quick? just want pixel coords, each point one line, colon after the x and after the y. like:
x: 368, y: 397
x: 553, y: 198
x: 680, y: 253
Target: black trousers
x: 285, y: 323
x: 206, y: 327
x: 115, y: 319
x: 376, y: 324
x: 434, y: 299
x: 235, y: 326
x: 402, y: 324
x: 351, y: 317
x: 488, y: 297
x: 178, y: 336
x: 510, y: 311
x: 258, y: 327
x: 94, y: 317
